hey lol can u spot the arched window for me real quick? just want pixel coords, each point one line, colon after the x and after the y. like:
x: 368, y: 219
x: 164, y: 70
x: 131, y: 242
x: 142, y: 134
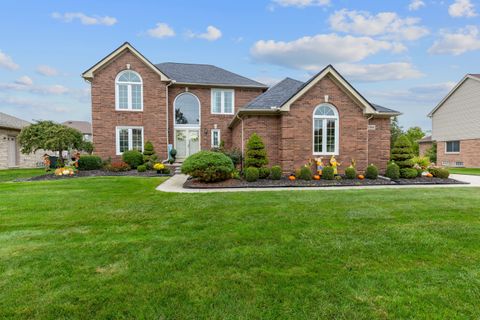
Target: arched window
x: 129, y: 91
x: 325, y: 130
x: 187, y: 110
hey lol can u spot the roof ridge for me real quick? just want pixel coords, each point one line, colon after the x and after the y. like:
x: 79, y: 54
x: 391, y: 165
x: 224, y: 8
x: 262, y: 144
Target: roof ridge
x: 189, y: 63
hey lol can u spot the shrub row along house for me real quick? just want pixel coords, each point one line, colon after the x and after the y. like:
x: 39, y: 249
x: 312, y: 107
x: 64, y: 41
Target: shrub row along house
x: 194, y: 107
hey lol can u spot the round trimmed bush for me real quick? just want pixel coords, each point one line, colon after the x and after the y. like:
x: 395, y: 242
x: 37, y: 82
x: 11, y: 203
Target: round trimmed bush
x: 327, y: 173
x: 263, y: 172
x: 133, y: 158
x: 90, y: 163
x: 408, y: 173
x: 276, y: 173
x: 393, y: 171
x: 350, y: 173
x: 371, y: 172
x: 251, y: 174
x: 142, y: 168
x: 208, y: 166
x: 439, y: 172
x: 305, y: 173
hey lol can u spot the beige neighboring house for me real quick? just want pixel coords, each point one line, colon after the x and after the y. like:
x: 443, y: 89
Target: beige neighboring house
x: 10, y: 155
x: 84, y: 127
x: 456, y: 125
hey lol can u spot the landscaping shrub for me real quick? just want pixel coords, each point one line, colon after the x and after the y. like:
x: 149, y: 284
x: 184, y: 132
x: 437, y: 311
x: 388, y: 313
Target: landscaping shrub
x: 422, y: 162
x: 133, y: 158
x: 263, y: 172
x: 276, y: 173
x: 208, y: 166
x: 439, y: 172
x: 402, y: 153
x: 256, y: 155
x: 251, y: 174
x: 235, y: 155
x: 117, y: 166
x: 172, y: 156
x: 350, y: 173
x: 408, y: 173
x: 149, y: 156
x: 371, y: 172
x: 90, y: 163
x: 393, y: 171
x: 142, y: 168
x: 327, y: 173
x: 305, y: 173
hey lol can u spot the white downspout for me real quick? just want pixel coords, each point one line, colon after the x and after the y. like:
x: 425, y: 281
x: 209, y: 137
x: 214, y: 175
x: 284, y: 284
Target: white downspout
x: 368, y: 135
x: 166, y: 98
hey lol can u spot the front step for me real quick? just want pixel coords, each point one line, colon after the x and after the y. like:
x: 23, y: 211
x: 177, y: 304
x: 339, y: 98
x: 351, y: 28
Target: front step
x: 176, y: 166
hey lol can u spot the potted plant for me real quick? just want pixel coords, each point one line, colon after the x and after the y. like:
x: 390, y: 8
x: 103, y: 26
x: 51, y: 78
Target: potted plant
x: 159, y: 167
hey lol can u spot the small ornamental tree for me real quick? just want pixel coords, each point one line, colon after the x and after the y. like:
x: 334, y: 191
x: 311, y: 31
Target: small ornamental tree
x: 402, y: 153
x: 149, y: 156
x: 48, y: 135
x: 256, y: 155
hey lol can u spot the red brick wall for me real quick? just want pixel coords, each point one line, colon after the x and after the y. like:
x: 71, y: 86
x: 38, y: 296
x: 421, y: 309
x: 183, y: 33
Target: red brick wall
x: 105, y: 118
x: 208, y: 120
x: 379, y: 143
x: 296, y: 128
x: 469, y: 153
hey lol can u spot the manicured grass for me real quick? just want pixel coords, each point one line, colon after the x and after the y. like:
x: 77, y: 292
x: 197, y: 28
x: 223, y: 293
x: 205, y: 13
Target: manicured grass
x: 12, y: 174
x: 469, y: 171
x: 114, y: 248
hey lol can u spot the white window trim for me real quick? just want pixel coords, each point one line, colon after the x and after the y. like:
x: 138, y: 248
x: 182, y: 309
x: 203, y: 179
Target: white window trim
x: 453, y: 152
x: 324, y: 131
x: 129, y: 92
x: 130, y: 138
x: 219, y: 138
x: 222, y: 103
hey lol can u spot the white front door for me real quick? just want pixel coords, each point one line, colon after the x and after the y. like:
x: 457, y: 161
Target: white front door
x: 12, y: 151
x: 187, y: 142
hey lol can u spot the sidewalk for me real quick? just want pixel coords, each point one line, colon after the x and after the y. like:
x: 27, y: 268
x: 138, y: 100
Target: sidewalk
x: 175, y: 184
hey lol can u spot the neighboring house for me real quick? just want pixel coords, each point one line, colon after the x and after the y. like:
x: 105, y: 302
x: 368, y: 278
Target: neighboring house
x: 194, y: 106
x: 10, y: 155
x: 424, y: 144
x: 456, y: 125
x: 84, y: 127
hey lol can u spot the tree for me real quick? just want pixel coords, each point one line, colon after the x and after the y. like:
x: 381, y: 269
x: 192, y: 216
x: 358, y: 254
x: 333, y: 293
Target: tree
x: 402, y: 152
x: 149, y: 156
x: 414, y: 134
x: 48, y: 135
x: 432, y: 153
x: 395, y: 131
x: 87, y: 146
x: 256, y: 155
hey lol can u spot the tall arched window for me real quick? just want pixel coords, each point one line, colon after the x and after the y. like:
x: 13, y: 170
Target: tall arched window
x: 187, y: 110
x: 129, y: 91
x: 325, y: 130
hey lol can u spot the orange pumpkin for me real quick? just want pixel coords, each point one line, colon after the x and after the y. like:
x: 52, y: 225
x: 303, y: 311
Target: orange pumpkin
x: 291, y: 177
x: 429, y: 175
x: 361, y: 176
x: 316, y: 177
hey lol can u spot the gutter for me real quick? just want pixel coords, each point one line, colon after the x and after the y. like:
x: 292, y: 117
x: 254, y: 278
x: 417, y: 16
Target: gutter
x: 269, y: 112
x: 368, y: 137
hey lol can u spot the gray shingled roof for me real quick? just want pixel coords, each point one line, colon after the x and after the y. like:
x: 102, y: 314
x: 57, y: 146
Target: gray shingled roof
x: 83, y: 126
x: 381, y: 109
x: 11, y: 122
x: 205, y: 74
x: 276, y: 96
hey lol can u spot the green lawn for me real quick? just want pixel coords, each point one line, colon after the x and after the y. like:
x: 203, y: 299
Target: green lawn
x: 469, y: 171
x: 114, y: 248
x: 12, y: 174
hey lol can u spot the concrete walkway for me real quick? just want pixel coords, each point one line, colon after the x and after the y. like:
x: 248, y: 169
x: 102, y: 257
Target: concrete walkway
x: 175, y: 184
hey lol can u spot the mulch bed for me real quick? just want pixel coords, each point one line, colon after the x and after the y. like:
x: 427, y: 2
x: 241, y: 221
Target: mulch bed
x: 285, y: 182
x: 97, y: 173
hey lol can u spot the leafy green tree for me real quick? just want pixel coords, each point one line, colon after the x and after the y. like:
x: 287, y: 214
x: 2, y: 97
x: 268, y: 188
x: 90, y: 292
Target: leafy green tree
x: 87, y: 146
x: 256, y: 155
x: 432, y: 153
x: 49, y: 135
x: 402, y: 152
x: 414, y: 134
x: 395, y: 131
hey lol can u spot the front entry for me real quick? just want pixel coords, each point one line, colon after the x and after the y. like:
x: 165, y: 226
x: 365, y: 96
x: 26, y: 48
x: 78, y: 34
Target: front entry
x: 187, y: 142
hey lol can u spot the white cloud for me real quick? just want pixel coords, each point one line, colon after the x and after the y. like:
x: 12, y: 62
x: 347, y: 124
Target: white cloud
x: 7, y: 62
x: 431, y: 93
x: 386, y: 24
x: 84, y: 19
x: 47, y: 71
x: 25, y: 81
x: 466, y: 39
x: 212, y: 34
x: 161, y: 30
x: 313, y: 53
x: 301, y: 3
x: 462, y: 8
x: 415, y: 5
x: 379, y: 72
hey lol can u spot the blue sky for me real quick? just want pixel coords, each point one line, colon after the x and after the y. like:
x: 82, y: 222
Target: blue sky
x: 405, y: 55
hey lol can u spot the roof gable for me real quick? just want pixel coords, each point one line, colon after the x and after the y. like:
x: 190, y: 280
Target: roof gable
x: 89, y: 74
x: 475, y: 77
x: 330, y: 70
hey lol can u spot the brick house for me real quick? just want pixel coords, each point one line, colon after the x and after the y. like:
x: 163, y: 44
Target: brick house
x: 193, y: 107
x: 455, y: 125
